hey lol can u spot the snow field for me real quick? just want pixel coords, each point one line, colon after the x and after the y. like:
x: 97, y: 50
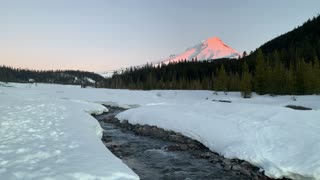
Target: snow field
x: 279, y: 140
x: 48, y: 138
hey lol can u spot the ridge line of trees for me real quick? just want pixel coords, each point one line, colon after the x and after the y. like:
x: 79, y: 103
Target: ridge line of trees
x: 10, y: 74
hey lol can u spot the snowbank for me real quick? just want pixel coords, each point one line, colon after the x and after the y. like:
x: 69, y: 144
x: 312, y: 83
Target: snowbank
x: 283, y: 142
x: 48, y: 138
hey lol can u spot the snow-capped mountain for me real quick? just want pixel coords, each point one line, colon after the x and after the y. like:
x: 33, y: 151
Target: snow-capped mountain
x: 212, y: 48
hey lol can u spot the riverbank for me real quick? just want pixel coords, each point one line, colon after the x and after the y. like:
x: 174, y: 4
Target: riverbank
x: 167, y: 154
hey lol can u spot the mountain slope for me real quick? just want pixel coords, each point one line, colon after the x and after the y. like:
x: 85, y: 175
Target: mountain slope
x: 302, y: 42
x: 212, y: 48
x: 306, y: 35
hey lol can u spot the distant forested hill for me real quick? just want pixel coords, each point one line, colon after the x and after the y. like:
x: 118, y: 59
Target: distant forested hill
x: 9, y: 74
x: 288, y: 64
x: 303, y: 41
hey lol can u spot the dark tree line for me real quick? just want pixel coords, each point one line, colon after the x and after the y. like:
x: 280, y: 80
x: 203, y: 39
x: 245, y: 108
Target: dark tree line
x: 268, y: 76
x: 182, y: 75
x: 288, y: 64
x: 9, y: 74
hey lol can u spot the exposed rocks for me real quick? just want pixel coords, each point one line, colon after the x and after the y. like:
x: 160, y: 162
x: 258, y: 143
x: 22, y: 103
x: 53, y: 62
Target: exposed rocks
x: 223, y: 101
x: 106, y: 138
x: 177, y: 147
x: 298, y: 107
x: 205, y: 155
x: 153, y: 131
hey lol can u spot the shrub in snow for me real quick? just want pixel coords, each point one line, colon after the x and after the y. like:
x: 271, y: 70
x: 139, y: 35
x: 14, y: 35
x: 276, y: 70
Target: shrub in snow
x: 293, y: 98
x: 246, y: 94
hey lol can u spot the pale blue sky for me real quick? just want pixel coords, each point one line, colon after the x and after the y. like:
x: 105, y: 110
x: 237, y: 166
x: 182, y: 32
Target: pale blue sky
x: 99, y: 35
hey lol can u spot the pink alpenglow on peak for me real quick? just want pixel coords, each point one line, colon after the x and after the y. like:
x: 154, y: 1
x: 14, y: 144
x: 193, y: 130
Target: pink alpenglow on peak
x: 212, y: 48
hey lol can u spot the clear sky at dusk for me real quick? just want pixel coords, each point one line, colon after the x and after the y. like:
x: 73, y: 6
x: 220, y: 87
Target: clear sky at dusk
x: 98, y: 35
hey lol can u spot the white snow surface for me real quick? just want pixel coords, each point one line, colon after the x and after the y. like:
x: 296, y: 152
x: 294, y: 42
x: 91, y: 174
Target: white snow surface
x: 110, y: 73
x: 91, y: 80
x: 43, y: 137
x: 47, y: 132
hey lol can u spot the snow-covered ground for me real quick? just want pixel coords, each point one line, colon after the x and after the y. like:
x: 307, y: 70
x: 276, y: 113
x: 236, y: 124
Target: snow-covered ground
x: 46, y: 130
x: 43, y: 137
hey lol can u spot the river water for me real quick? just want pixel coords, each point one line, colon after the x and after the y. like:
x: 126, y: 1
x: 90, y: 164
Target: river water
x: 150, y: 158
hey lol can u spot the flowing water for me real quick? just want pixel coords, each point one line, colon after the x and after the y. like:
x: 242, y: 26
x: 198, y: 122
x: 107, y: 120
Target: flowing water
x: 149, y: 158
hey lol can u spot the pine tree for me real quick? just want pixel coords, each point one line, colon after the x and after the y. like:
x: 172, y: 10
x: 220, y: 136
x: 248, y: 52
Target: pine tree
x: 278, y: 76
x: 308, y: 78
x: 244, y: 54
x: 260, y: 80
x: 275, y: 58
x: 222, y: 80
x: 316, y: 75
x: 289, y: 81
x: 304, y: 77
x: 245, y: 82
x: 299, y: 84
x: 234, y: 82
